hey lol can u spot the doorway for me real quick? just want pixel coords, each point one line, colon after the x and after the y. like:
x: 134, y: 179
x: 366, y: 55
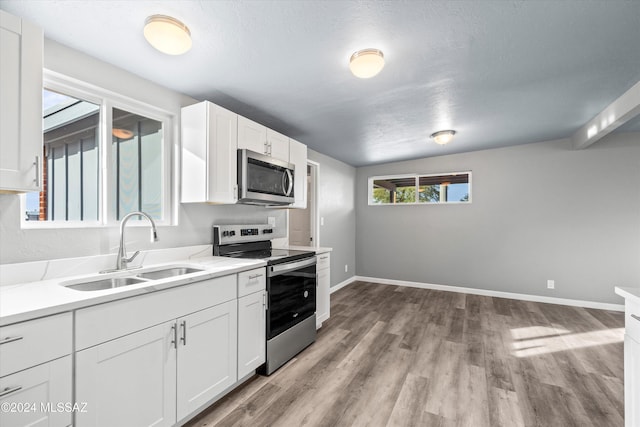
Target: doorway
x: 303, y: 223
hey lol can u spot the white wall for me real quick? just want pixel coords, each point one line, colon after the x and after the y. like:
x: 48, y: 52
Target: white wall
x: 336, y: 200
x: 539, y: 211
x: 194, y: 221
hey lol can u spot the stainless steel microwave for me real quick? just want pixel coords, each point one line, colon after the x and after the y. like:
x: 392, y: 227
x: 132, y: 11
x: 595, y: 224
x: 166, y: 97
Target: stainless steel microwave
x: 263, y: 180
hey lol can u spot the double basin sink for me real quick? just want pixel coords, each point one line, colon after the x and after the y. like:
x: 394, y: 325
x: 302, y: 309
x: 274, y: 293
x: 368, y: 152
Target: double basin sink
x: 100, y: 284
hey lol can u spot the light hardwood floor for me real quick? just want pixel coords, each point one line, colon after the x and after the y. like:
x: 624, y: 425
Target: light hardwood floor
x: 398, y: 356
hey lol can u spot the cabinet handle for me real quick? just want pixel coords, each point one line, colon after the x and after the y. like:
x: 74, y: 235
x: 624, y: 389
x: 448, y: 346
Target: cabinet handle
x: 184, y: 332
x: 636, y: 317
x: 37, y: 165
x: 254, y: 276
x: 174, y: 331
x: 7, y: 391
x: 324, y: 257
x: 7, y: 340
x: 265, y: 301
x: 266, y: 149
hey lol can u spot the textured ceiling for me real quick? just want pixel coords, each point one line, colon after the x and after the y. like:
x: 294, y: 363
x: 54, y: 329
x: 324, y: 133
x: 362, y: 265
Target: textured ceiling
x: 499, y: 72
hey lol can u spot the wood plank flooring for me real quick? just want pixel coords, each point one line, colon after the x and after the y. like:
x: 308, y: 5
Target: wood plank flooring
x: 399, y: 356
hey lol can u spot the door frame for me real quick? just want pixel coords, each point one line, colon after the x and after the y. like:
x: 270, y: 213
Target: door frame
x: 314, y: 207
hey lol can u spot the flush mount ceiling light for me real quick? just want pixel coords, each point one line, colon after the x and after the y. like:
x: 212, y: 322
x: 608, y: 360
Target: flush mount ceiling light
x: 121, y: 133
x: 366, y: 63
x: 443, y: 137
x: 167, y: 34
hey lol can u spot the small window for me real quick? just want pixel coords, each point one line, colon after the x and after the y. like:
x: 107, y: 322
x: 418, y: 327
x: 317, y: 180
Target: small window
x: 420, y: 189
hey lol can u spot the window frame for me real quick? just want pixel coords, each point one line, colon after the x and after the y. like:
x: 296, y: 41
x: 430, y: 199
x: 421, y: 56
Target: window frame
x: 107, y: 101
x: 417, y: 176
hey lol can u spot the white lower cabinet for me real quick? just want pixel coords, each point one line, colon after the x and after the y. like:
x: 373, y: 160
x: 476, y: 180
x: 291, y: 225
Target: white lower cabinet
x: 154, y: 360
x: 130, y: 380
x: 323, y: 303
x: 207, y: 356
x: 161, y: 374
x: 38, y: 396
x: 251, y: 332
x: 632, y: 382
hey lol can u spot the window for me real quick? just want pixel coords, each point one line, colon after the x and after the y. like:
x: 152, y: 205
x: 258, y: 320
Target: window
x: 71, y: 161
x: 420, y: 189
x: 104, y: 156
x: 137, y: 164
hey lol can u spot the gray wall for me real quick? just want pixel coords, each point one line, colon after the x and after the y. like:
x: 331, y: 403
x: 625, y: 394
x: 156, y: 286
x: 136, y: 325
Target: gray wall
x: 336, y: 200
x: 539, y: 211
x: 194, y: 221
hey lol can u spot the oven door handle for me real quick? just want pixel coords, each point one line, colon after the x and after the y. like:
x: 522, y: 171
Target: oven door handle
x: 276, y: 270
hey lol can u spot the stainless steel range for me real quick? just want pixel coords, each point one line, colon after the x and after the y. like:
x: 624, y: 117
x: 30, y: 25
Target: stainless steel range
x: 291, y: 288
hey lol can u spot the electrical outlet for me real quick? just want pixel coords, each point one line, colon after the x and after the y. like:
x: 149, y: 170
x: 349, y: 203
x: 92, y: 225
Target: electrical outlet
x: 271, y: 221
x: 551, y: 284
x: 321, y: 220
x: 346, y: 268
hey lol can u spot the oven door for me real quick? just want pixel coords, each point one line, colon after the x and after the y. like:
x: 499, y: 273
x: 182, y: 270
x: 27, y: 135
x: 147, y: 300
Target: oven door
x: 291, y: 289
x: 264, y: 180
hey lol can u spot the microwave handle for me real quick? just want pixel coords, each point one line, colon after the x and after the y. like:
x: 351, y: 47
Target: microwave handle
x: 287, y: 184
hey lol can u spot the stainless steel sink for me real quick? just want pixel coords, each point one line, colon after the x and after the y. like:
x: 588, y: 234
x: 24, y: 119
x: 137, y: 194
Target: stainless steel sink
x: 168, y: 272
x: 102, y: 284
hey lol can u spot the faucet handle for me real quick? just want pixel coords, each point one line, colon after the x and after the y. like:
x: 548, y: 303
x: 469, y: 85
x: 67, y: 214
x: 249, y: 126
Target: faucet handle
x: 132, y: 256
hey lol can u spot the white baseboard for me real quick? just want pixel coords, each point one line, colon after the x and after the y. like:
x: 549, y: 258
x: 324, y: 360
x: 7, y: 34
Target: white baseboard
x: 342, y: 284
x: 484, y: 292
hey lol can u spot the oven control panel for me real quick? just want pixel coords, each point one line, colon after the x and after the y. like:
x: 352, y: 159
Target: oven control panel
x: 225, y: 234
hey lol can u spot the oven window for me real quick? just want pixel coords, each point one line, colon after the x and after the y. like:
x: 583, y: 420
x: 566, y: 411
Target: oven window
x: 292, y: 298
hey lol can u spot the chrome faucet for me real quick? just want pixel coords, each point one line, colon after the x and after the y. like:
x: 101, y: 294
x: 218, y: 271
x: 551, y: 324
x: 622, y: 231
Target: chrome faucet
x: 122, y: 260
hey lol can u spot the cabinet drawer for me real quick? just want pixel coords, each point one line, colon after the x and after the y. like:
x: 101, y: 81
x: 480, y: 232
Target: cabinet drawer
x: 324, y: 261
x: 41, y: 396
x: 632, y: 324
x: 251, y: 281
x: 26, y: 344
x: 101, y: 323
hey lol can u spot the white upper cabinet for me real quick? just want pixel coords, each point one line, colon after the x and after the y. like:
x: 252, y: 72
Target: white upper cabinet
x: 21, y: 62
x: 211, y: 138
x: 298, y: 156
x: 256, y: 137
x: 252, y: 135
x: 278, y: 145
x: 209, y: 154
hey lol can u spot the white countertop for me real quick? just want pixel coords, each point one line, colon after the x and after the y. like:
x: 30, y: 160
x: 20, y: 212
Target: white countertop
x: 26, y: 301
x: 632, y: 294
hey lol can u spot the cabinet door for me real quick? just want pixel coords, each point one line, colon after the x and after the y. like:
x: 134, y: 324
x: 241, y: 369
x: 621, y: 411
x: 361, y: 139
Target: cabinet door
x: 20, y: 104
x: 251, y: 332
x: 207, y: 355
x: 298, y: 156
x: 209, y: 154
x: 37, y: 394
x: 130, y: 381
x: 223, y: 158
x: 323, y: 294
x: 252, y: 135
x: 277, y: 145
x: 631, y: 382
